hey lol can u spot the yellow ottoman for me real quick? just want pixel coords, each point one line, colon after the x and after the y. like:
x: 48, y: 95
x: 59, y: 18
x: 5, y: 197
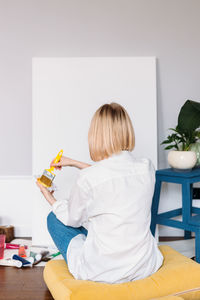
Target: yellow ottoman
x: 179, y: 277
x: 169, y: 298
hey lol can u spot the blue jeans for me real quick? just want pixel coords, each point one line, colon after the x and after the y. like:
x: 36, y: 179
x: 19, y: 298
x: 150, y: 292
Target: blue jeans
x: 62, y: 234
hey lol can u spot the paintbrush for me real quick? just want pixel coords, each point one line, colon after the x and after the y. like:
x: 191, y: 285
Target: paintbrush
x: 48, y: 175
x: 43, y: 257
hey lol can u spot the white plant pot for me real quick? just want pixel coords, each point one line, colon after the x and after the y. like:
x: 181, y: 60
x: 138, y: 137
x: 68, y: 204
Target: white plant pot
x: 182, y: 160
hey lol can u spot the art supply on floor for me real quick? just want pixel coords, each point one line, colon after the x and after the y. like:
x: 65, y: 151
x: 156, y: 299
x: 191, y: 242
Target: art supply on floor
x: 22, y: 251
x: 44, y: 253
x: 30, y: 259
x: 13, y: 246
x: 11, y: 263
x: 37, y: 249
x: 25, y: 262
x: 8, y: 230
x: 48, y: 176
x: 54, y: 254
x: 43, y: 257
x: 36, y: 256
x: 2, y: 242
x: 46, y: 257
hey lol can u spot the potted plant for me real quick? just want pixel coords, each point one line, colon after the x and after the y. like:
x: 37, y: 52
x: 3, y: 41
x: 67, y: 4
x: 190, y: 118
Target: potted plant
x: 185, y: 137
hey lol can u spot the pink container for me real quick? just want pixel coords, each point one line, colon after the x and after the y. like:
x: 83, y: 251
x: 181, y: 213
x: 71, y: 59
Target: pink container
x: 2, y: 243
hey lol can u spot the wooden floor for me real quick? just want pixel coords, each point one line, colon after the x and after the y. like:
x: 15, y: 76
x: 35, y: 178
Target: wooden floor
x: 23, y: 284
x: 28, y: 284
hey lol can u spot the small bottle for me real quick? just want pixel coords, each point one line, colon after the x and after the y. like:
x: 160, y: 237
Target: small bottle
x: 2, y: 243
x: 22, y: 251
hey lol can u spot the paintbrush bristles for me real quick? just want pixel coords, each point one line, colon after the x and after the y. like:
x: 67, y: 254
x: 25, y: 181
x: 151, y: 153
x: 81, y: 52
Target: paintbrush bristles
x: 45, y: 180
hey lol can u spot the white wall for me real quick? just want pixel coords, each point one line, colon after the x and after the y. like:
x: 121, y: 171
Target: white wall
x: 64, y: 101
x: 167, y: 29
x: 17, y: 202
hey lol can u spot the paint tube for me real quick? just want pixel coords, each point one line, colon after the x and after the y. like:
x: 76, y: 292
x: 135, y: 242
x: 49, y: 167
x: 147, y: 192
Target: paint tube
x: 30, y: 259
x: 25, y: 262
x: 11, y: 263
x: 13, y: 246
x: 36, y: 256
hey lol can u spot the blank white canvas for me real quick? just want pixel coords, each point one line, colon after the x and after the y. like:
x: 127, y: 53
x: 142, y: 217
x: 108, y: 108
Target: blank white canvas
x: 66, y: 93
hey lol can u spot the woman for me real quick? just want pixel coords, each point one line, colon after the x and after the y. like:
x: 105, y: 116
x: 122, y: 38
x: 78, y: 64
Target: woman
x: 103, y: 229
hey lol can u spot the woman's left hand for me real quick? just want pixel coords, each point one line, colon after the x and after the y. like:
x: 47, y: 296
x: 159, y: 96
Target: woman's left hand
x: 42, y: 188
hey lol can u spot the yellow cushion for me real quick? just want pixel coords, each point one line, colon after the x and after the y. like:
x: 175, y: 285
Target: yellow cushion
x: 179, y: 276
x: 169, y: 298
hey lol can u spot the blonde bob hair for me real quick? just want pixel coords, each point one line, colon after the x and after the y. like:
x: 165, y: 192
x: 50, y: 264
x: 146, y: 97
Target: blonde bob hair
x: 111, y: 131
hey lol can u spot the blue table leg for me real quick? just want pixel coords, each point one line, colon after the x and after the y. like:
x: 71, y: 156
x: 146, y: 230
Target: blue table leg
x: 197, y: 245
x: 154, y: 207
x: 187, y: 235
x: 186, y: 205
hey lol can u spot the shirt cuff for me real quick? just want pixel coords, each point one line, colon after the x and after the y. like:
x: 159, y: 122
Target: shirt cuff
x: 55, y: 205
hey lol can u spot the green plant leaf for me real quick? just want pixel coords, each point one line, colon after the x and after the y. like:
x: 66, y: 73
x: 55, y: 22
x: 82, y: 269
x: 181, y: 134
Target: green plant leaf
x: 165, y: 142
x: 170, y: 147
x: 189, y: 117
x: 177, y: 130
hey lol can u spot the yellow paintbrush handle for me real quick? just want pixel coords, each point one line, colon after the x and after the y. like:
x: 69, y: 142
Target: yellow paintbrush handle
x: 57, y: 159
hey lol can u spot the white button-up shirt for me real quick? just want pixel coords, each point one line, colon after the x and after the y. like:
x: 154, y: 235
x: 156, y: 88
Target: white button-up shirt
x: 112, y: 199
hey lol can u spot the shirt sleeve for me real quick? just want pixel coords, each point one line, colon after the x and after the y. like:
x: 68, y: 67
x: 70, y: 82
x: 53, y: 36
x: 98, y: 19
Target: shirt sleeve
x: 72, y: 212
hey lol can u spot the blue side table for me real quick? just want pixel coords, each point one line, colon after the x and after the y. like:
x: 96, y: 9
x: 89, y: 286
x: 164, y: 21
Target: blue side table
x: 190, y: 223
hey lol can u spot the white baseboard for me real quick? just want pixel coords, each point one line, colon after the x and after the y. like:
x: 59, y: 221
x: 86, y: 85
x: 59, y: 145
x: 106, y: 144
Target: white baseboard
x: 23, y: 231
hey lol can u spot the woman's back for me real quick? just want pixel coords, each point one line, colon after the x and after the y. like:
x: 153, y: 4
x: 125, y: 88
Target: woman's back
x: 119, y: 246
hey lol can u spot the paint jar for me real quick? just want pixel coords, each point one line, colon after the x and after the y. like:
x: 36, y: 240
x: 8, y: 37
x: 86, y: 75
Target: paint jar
x: 2, y: 243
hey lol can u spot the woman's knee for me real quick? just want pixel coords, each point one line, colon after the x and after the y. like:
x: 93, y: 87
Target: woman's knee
x: 50, y: 220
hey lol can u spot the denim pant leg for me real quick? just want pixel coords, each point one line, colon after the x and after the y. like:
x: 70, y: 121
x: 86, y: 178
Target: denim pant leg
x: 62, y: 234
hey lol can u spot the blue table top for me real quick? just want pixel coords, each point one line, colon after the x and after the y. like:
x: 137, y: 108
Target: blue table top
x: 195, y: 172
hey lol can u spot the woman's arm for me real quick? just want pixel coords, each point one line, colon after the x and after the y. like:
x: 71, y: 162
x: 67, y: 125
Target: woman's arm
x: 48, y: 195
x: 66, y: 161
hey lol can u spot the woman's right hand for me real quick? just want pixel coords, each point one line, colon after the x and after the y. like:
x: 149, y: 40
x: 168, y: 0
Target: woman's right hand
x: 64, y: 162
x: 68, y: 162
